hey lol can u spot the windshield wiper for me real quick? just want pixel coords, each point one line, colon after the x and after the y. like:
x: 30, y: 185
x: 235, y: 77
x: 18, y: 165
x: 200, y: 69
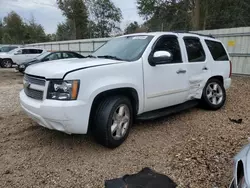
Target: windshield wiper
x: 110, y: 57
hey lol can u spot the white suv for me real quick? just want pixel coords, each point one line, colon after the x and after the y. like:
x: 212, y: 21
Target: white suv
x: 142, y: 76
x: 19, y: 55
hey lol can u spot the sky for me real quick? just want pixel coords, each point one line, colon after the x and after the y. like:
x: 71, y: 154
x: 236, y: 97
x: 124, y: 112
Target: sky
x: 48, y: 15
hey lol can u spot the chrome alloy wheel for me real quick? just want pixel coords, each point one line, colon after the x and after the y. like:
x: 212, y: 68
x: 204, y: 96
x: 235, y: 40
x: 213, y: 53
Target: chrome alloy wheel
x: 120, y: 122
x: 214, y: 93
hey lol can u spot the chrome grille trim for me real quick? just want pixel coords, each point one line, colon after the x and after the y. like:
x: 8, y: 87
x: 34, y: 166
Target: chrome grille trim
x: 35, y: 94
x: 35, y: 80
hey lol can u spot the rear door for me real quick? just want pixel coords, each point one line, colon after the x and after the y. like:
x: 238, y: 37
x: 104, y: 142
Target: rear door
x: 198, y: 66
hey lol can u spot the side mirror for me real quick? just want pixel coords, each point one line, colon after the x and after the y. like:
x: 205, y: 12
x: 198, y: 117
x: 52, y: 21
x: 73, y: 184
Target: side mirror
x: 162, y: 57
x: 17, y: 53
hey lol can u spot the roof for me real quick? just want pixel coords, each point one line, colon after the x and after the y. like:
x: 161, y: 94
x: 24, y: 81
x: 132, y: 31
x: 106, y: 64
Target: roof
x: 171, y: 33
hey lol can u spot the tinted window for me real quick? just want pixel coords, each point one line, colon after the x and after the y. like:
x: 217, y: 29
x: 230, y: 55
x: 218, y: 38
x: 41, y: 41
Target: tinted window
x: 68, y: 55
x: 26, y: 51
x: 53, y: 56
x: 217, y: 50
x: 7, y: 48
x: 170, y: 44
x: 35, y: 51
x: 195, y: 50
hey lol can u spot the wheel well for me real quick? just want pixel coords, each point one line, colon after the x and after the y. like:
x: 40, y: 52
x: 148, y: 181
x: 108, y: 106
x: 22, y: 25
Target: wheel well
x: 131, y: 93
x: 6, y: 59
x: 240, y: 171
x: 220, y: 78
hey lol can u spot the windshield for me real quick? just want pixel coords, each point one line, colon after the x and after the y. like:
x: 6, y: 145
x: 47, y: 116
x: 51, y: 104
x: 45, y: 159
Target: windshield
x: 7, y: 48
x: 13, y: 51
x: 40, y: 57
x: 128, y: 48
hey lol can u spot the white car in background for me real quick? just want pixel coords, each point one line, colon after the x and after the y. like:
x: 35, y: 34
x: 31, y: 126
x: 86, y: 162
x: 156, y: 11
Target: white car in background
x: 19, y: 55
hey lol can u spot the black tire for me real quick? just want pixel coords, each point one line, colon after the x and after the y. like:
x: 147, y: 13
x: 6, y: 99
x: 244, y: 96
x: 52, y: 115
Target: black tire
x: 103, y: 120
x: 206, y: 102
x: 6, y: 63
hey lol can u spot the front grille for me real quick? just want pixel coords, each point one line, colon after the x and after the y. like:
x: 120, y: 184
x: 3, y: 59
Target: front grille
x: 35, y: 94
x: 34, y: 80
x: 30, y: 86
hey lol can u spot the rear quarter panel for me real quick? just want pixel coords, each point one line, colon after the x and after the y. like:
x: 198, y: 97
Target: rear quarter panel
x: 220, y: 68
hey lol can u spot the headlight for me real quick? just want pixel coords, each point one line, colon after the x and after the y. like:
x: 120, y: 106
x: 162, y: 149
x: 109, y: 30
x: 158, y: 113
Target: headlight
x: 63, y: 89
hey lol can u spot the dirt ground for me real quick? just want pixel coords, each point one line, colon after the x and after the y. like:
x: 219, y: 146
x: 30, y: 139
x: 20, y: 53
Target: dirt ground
x: 195, y: 148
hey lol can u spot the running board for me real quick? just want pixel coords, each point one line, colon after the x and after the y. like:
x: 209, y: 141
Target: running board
x: 167, y: 111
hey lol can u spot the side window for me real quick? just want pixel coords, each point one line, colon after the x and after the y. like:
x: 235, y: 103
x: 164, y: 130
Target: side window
x: 170, y: 44
x: 67, y: 55
x: 35, y: 51
x: 26, y: 51
x: 54, y: 56
x: 39, y: 51
x: 217, y: 50
x: 195, y: 50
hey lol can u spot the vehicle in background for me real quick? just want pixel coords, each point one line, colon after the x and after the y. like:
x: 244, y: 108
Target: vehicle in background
x: 143, y: 76
x: 48, y: 56
x: 5, y: 49
x: 18, y: 56
x: 241, y: 174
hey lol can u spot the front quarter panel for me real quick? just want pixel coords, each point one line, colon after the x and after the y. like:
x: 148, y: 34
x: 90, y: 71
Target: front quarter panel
x: 95, y: 80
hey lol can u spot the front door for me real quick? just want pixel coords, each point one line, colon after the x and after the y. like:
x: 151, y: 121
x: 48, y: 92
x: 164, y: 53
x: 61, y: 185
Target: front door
x: 20, y: 56
x: 166, y: 84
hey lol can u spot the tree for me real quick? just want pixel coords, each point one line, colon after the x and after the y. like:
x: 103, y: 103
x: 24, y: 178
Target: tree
x: 162, y: 15
x: 34, y: 32
x: 105, y: 16
x: 77, y: 14
x: 1, y: 30
x: 13, y: 28
x: 194, y: 14
x: 65, y: 31
x: 131, y: 28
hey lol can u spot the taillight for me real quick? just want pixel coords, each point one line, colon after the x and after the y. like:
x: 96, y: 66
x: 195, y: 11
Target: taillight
x: 230, y: 73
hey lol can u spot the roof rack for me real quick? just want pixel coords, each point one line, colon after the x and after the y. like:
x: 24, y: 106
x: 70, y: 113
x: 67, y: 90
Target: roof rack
x: 211, y: 36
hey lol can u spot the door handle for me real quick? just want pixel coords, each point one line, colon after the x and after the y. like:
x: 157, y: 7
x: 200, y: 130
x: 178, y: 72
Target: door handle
x: 205, y: 68
x: 181, y: 71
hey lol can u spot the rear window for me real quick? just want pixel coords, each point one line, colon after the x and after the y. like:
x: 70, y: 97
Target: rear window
x: 217, y: 50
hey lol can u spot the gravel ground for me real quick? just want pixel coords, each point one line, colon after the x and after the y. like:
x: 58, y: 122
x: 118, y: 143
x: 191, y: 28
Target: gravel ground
x: 195, y: 147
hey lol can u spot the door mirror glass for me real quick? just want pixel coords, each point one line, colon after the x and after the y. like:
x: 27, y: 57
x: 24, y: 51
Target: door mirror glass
x: 162, y: 57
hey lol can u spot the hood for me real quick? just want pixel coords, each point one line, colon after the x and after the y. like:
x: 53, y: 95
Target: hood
x: 58, y: 68
x: 3, y: 54
x: 31, y: 61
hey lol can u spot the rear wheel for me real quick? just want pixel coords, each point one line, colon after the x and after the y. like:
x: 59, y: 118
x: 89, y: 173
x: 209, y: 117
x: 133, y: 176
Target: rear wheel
x: 6, y: 63
x: 112, y: 121
x: 214, y: 94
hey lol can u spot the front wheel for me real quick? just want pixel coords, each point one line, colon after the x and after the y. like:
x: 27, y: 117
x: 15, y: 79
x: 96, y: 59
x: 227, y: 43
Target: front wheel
x: 112, y: 121
x: 214, y: 94
x: 6, y: 63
